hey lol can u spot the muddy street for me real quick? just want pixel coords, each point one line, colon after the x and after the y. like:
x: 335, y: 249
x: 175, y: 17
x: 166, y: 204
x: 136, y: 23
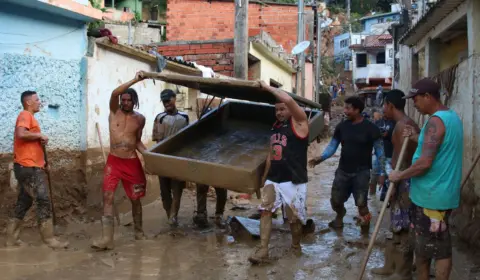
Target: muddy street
x: 209, y: 254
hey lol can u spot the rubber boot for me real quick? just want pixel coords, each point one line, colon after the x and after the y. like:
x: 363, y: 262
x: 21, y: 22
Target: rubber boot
x: 176, y: 199
x: 220, y: 207
x: 403, y: 266
x: 201, y: 220
x: 106, y: 243
x: 219, y: 221
x: 137, y: 221
x: 46, y: 230
x: 261, y: 254
x: 296, y: 228
x: 13, y: 233
x: 389, y: 265
x: 338, y: 222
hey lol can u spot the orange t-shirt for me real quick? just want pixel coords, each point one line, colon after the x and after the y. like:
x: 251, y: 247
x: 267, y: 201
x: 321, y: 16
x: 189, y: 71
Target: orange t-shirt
x: 28, y: 153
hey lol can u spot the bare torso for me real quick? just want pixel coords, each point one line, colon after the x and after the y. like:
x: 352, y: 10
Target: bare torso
x: 125, y: 131
x: 397, y: 140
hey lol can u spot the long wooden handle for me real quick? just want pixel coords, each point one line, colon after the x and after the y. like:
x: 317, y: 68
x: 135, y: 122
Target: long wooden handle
x: 115, y: 210
x: 382, y: 212
x: 100, y: 140
x: 52, y: 205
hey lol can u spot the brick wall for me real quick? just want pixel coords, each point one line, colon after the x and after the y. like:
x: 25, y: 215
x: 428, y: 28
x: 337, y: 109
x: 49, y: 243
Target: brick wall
x: 216, y: 55
x: 202, y: 20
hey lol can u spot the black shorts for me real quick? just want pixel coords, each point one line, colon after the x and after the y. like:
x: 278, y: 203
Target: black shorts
x: 430, y: 244
x: 346, y: 184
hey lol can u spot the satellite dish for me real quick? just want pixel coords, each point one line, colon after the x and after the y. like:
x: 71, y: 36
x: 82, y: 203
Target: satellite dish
x: 300, y: 47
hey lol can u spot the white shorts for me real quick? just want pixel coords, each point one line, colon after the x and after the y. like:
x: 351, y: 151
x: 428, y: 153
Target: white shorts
x: 291, y: 195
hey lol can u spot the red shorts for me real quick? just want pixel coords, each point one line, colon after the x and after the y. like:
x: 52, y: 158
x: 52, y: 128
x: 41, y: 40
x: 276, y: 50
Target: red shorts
x: 130, y: 171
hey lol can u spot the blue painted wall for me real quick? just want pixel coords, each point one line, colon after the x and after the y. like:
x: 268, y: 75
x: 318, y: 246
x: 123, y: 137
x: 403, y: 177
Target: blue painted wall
x: 43, y: 52
x: 367, y: 24
x: 338, y: 50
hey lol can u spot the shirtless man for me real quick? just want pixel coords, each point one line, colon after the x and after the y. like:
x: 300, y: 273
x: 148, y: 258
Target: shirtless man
x: 398, y: 252
x: 123, y: 164
x: 285, y: 178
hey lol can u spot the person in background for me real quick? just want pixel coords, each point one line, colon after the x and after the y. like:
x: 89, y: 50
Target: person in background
x: 165, y: 125
x: 436, y: 174
x: 379, y: 96
x: 358, y: 137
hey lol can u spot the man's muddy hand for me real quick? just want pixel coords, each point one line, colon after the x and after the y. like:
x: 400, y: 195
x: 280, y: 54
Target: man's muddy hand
x: 43, y: 139
x: 410, y: 132
x: 394, y: 176
x: 140, y: 76
x: 314, y: 162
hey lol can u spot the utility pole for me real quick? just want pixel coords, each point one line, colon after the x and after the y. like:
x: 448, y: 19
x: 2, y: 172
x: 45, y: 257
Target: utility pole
x: 240, y: 40
x: 318, y: 70
x: 300, y: 81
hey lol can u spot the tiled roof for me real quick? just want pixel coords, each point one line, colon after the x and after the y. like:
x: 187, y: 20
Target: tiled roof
x: 374, y: 41
x: 379, y: 15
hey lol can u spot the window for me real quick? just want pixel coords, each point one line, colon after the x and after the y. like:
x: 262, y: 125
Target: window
x: 361, y: 60
x: 381, y: 58
x: 381, y: 20
x: 344, y: 43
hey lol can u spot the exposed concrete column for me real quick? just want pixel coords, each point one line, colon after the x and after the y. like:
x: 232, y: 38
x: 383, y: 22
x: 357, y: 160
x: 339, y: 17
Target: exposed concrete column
x: 240, y: 39
x: 473, y: 26
x: 415, y: 68
x: 432, y: 61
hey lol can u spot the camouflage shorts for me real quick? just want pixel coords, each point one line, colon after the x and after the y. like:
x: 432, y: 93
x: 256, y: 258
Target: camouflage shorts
x: 430, y: 242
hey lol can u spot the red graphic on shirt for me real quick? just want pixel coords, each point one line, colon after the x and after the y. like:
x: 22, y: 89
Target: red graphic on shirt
x: 277, y: 142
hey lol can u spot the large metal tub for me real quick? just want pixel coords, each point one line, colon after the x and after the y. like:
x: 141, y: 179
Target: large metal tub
x: 227, y: 148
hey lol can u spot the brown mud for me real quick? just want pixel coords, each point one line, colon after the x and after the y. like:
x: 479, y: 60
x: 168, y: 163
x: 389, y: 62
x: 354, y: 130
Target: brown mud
x: 208, y: 254
x: 241, y: 144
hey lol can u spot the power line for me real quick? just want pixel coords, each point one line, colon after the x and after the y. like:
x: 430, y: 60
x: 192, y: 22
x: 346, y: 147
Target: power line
x: 46, y: 40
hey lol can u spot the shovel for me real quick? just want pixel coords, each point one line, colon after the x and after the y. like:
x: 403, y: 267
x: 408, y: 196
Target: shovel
x: 54, y: 216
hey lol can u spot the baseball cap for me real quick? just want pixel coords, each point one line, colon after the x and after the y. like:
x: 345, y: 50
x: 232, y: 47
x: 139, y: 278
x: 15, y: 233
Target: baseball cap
x: 167, y: 94
x: 424, y: 86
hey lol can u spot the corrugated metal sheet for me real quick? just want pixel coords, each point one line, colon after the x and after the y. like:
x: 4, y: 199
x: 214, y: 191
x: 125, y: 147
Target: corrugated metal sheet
x: 429, y: 21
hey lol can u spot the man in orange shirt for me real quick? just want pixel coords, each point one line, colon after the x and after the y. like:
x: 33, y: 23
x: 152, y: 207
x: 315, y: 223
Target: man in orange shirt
x: 29, y: 168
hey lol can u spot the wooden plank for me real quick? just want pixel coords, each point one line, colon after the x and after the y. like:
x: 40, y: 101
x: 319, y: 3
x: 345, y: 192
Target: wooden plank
x: 231, y: 88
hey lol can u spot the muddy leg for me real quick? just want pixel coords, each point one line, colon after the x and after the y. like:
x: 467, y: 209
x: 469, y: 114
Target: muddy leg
x: 443, y: 268
x: 360, y: 194
x: 177, y: 191
x: 23, y: 204
x: 220, y: 206
x: 341, y: 190
x: 166, y: 194
x: 423, y: 268
x: 106, y: 241
x: 44, y: 211
x: 137, y: 219
x: 201, y: 219
x: 296, y: 230
x: 268, y: 205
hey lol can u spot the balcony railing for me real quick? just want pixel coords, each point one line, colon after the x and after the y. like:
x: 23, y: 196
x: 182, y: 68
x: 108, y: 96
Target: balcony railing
x: 373, y: 71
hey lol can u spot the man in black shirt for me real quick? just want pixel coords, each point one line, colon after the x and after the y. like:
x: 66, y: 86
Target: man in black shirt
x: 285, y: 177
x: 358, y: 137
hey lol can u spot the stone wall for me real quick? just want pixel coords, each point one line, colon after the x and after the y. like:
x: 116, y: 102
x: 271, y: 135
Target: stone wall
x: 140, y: 32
